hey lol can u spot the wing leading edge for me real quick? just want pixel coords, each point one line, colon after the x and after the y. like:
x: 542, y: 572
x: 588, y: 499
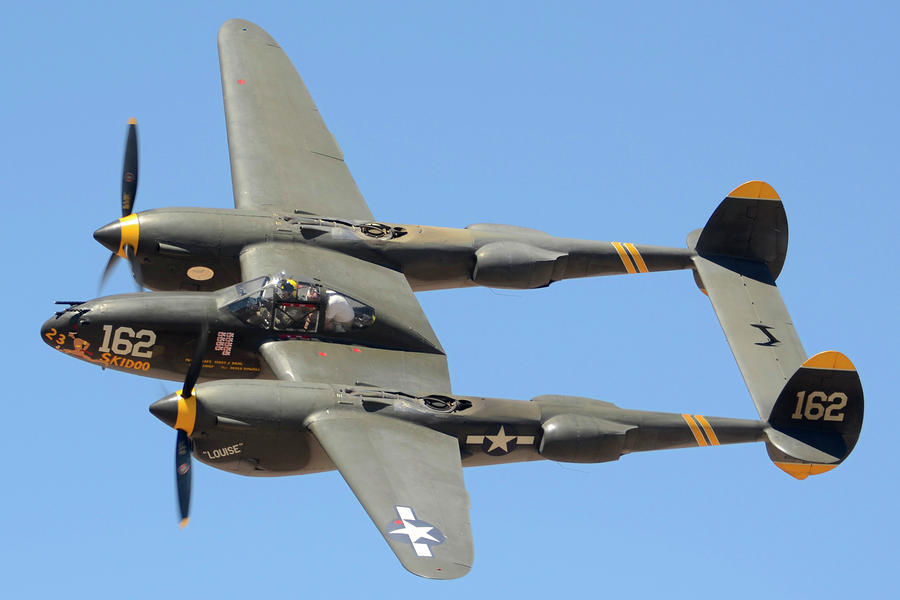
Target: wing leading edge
x: 282, y: 154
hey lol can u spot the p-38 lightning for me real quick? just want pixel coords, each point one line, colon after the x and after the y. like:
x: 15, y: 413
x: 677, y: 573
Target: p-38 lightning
x: 296, y: 312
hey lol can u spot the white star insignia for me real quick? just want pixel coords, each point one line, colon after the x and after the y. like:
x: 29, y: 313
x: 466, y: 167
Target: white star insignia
x: 500, y: 440
x: 419, y: 535
x: 415, y: 532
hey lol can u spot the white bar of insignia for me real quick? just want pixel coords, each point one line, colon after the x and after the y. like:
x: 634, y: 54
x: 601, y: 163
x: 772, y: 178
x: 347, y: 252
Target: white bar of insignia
x: 475, y: 439
x: 406, y: 513
x: 526, y: 440
x: 422, y: 550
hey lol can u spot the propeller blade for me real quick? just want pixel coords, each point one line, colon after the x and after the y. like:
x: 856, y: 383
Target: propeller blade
x: 183, y: 445
x: 110, y: 265
x: 136, y: 270
x: 130, y: 169
x: 193, y: 373
x: 183, y: 449
x: 110, y: 235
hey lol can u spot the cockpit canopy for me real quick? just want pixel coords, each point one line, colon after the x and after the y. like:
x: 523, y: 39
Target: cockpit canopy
x: 285, y: 302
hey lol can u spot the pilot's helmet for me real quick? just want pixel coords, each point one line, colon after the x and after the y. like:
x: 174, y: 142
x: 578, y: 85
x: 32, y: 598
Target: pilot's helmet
x: 288, y: 288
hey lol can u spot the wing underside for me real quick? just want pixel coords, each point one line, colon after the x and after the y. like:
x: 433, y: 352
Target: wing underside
x: 409, y: 480
x: 417, y: 373
x: 283, y: 158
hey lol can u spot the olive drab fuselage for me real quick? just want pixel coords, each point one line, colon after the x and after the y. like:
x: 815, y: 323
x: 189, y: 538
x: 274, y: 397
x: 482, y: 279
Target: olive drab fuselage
x: 156, y: 335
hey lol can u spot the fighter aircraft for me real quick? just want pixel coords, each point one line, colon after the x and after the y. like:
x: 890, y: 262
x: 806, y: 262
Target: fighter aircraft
x: 297, y: 309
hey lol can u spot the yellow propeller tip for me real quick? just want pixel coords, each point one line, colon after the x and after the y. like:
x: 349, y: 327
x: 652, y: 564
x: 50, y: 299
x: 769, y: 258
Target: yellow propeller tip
x: 183, y: 523
x: 132, y: 121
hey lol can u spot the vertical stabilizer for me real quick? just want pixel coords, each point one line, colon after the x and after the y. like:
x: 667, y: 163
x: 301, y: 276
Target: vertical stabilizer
x: 816, y: 420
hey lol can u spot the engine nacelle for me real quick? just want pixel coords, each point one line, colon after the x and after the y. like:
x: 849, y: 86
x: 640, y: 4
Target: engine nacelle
x: 256, y: 427
x: 517, y: 266
x: 582, y: 439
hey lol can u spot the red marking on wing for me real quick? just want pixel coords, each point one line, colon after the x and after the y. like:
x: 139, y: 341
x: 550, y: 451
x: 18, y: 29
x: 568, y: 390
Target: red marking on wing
x: 398, y: 522
x: 241, y: 82
x: 357, y: 350
x: 323, y: 354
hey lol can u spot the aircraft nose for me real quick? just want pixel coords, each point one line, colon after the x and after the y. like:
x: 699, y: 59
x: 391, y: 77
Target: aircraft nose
x: 110, y: 236
x: 166, y: 410
x: 54, y: 330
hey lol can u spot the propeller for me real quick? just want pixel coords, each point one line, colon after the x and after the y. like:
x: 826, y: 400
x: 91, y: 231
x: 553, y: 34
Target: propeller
x: 180, y: 412
x: 129, y: 192
x: 183, y: 446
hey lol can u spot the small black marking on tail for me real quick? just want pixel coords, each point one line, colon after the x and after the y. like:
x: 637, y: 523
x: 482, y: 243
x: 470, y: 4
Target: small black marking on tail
x: 772, y: 340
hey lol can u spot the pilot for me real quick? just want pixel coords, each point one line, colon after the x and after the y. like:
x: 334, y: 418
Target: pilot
x: 338, y: 314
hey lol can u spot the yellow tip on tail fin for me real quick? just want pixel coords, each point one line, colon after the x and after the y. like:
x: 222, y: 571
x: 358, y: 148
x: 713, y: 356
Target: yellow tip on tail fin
x: 803, y: 470
x: 755, y: 189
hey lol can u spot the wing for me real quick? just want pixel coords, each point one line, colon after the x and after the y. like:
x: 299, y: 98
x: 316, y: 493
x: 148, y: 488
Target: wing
x: 416, y: 373
x: 282, y: 155
x: 423, y: 371
x: 409, y: 480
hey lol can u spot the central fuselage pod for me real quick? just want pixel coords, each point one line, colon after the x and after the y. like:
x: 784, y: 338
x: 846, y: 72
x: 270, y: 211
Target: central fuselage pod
x: 157, y: 334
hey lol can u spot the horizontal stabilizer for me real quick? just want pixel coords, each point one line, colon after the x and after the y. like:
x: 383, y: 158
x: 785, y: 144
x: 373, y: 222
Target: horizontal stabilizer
x: 738, y: 255
x: 756, y: 323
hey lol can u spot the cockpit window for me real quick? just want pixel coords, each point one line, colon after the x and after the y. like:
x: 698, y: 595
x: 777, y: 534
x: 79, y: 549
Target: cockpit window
x: 288, y: 303
x: 242, y: 291
x: 247, y: 287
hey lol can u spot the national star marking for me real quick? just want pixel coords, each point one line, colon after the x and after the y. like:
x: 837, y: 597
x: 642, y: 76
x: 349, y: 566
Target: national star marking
x: 500, y: 440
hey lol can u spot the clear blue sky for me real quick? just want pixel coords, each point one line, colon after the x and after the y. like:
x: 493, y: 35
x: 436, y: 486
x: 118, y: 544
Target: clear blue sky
x: 615, y: 122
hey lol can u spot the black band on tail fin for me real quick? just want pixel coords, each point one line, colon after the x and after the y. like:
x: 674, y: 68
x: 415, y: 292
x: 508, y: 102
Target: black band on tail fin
x: 749, y: 224
x: 816, y: 420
